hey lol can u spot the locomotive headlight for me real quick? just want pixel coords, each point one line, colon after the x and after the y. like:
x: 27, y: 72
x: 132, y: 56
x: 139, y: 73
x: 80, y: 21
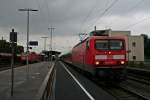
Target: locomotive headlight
x: 122, y: 62
x: 97, y: 62
x: 109, y: 52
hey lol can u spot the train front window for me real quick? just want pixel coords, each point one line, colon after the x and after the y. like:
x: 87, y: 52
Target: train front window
x: 101, y: 44
x: 115, y: 44
x: 109, y: 44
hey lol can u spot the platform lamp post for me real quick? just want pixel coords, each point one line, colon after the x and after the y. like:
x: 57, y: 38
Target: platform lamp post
x: 13, y: 41
x: 27, y: 51
x: 44, y: 49
x: 45, y: 38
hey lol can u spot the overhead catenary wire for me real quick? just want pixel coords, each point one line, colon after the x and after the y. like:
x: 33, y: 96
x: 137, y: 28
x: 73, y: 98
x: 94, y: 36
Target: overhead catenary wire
x: 49, y: 23
x: 136, y: 5
x: 40, y: 8
x: 106, y: 10
x: 94, y: 15
x: 87, y: 16
x: 130, y: 9
x: 38, y: 4
x: 48, y: 12
x: 136, y: 23
x: 139, y: 21
x: 103, y: 13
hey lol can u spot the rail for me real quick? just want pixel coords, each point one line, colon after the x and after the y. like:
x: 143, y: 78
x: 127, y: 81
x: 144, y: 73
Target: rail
x: 46, y: 91
x: 138, y: 71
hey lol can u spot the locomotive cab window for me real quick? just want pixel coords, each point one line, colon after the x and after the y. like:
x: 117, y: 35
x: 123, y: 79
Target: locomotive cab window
x: 101, y: 44
x: 108, y: 44
x: 115, y: 44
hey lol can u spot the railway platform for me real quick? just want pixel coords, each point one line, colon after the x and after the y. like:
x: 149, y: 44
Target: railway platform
x: 25, y: 87
x: 68, y: 84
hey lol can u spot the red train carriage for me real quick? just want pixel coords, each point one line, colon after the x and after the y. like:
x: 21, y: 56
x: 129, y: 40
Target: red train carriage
x: 102, y: 56
x: 67, y: 57
x: 5, y: 58
x: 32, y: 57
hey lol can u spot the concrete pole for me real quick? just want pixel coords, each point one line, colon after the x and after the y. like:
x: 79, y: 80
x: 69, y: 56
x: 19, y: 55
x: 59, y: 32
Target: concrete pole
x: 27, y: 51
x: 51, y: 32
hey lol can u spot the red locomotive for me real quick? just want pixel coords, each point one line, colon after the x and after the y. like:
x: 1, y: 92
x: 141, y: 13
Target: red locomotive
x: 102, y: 56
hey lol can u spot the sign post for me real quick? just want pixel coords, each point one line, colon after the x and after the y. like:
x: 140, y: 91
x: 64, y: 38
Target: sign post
x: 13, y: 39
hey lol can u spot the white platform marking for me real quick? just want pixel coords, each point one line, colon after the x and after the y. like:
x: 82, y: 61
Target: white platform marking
x: 81, y: 86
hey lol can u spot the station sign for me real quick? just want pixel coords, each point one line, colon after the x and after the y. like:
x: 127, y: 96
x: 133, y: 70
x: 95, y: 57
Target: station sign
x: 33, y: 43
x: 13, y: 36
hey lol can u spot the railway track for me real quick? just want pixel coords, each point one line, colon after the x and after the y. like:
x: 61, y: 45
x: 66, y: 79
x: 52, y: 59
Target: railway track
x: 127, y: 90
x: 139, y: 89
x: 134, y: 88
x: 121, y: 93
x: 139, y: 79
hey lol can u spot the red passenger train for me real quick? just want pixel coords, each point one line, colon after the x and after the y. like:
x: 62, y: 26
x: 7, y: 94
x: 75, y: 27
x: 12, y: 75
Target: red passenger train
x: 102, y: 56
x: 32, y: 57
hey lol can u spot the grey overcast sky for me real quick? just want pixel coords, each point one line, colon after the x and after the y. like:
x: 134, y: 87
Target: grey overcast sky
x: 71, y: 17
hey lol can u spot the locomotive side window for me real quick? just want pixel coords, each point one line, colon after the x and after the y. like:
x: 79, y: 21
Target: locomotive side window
x: 109, y: 44
x: 87, y: 44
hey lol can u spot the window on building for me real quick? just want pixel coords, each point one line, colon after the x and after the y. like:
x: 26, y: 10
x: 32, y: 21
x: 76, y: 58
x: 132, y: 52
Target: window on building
x: 133, y: 44
x: 134, y: 57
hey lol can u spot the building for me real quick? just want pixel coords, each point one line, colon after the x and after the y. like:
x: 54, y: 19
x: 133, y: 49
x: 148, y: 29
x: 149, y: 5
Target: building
x: 136, y: 46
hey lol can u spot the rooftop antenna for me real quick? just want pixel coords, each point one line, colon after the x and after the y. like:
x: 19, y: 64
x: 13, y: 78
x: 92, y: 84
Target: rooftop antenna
x: 94, y: 28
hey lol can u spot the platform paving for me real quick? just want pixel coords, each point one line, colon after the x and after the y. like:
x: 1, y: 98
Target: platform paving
x: 25, y: 88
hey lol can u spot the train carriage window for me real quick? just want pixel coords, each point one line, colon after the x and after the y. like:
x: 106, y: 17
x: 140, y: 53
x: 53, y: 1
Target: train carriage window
x: 134, y: 57
x: 133, y: 44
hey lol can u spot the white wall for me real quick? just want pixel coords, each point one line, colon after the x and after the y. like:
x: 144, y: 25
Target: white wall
x: 136, y: 45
